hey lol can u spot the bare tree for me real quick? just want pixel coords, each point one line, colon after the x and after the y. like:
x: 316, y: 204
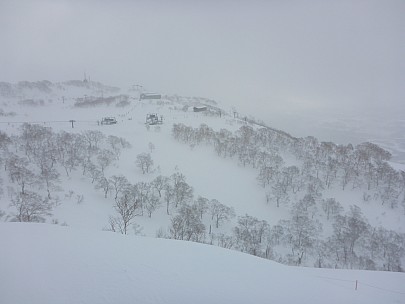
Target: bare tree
x: 187, y: 225
x: 30, y: 207
x: 159, y: 184
x: 169, y: 196
x: 118, y: 184
x: 51, y: 177
x: 331, y: 207
x: 5, y: 140
x: 225, y: 241
x: 305, y: 206
x: 183, y: 193
x: 152, y: 203
x: 278, y: 194
x: 389, y: 247
x: 19, y: 172
x: 103, y: 183
x: 93, y: 139
x: 330, y: 171
x: 105, y: 158
x: 142, y: 190
x: 127, y: 207
x: 266, y: 175
x: 201, y: 205
x: 347, y: 231
x: 70, y: 150
x: 34, y: 138
x: 117, y: 144
x: 301, y: 232
x: 390, y: 187
x: 94, y: 173
x: 177, y: 178
x: 144, y: 162
x: 220, y: 212
x: 249, y: 234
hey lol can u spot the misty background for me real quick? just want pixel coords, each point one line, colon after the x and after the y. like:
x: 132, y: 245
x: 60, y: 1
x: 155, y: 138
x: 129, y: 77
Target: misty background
x: 332, y: 69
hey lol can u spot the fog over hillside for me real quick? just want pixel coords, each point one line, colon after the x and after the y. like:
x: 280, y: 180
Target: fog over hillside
x: 307, y: 68
x: 122, y: 159
x: 259, y: 55
x: 272, y: 129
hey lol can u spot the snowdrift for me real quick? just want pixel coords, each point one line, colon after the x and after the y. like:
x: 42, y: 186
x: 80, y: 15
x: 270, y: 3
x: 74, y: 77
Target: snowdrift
x: 42, y: 263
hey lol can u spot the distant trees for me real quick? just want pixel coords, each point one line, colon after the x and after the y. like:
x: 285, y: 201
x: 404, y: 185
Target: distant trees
x: 347, y: 230
x: 266, y: 175
x: 331, y: 207
x: 278, y: 194
x: 5, y: 141
x: 322, y: 165
x: 301, y: 233
x: 317, y: 167
x: 389, y: 246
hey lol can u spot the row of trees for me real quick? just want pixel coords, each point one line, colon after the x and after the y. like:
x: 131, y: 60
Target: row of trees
x: 348, y: 241
x: 173, y: 193
x: 318, y: 165
x: 34, y: 158
x: 353, y: 244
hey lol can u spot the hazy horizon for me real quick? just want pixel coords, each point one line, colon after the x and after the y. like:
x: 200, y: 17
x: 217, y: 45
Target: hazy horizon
x: 265, y: 57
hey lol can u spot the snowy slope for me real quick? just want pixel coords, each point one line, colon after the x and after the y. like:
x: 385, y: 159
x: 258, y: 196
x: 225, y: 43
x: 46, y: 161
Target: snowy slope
x: 197, y: 165
x: 42, y: 263
x: 210, y: 176
x: 233, y: 185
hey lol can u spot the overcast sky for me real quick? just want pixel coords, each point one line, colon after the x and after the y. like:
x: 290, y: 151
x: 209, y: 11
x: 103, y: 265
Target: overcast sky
x: 256, y: 54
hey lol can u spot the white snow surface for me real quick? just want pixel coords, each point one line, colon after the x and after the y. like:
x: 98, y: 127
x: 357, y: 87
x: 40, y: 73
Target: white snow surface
x: 43, y: 263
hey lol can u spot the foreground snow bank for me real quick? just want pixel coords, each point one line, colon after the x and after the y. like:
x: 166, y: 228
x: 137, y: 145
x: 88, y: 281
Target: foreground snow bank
x: 51, y: 264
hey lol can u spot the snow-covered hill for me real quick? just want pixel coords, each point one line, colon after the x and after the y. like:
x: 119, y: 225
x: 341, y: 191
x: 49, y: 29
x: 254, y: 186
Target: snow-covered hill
x: 51, y: 264
x: 265, y: 211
